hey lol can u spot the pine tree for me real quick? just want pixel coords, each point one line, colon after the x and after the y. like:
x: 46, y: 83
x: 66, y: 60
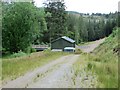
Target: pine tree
x: 56, y: 21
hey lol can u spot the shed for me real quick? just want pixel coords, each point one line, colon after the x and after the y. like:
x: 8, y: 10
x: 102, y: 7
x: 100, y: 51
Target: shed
x: 62, y: 42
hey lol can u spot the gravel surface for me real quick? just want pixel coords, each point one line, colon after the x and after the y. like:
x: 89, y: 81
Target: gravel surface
x: 46, y: 76
x: 90, y: 47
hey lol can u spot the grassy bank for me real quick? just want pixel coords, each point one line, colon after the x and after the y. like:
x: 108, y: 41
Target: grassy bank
x: 84, y: 76
x: 15, y: 67
x: 106, y: 61
x: 103, y: 61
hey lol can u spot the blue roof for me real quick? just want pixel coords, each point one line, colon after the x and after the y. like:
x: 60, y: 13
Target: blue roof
x: 68, y: 39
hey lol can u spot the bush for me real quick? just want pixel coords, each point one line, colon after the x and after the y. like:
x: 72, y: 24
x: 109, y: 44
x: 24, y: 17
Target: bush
x: 47, y: 50
x: 19, y: 54
x: 30, y: 49
x: 78, y: 51
x: 90, y: 66
x: 33, y: 50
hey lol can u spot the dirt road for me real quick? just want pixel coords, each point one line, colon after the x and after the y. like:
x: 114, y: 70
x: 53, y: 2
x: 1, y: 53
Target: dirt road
x: 90, y: 47
x: 46, y: 76
x: 56, y: 74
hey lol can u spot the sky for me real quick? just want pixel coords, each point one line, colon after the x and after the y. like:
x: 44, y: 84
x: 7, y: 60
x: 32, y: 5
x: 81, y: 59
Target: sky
x: 88, y: 6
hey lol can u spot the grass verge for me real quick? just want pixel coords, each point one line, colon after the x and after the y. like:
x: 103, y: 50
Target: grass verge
x: 107, y: 72
x: 103, y: 61
x: 15, y: 67
x: 84, y: 77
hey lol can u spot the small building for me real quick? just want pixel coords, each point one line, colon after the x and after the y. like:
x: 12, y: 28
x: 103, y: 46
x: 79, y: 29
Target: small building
x: 61, y: 43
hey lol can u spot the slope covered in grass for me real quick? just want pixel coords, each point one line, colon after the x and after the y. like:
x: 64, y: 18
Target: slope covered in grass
x: 101, y: 63
x: 105, y: 61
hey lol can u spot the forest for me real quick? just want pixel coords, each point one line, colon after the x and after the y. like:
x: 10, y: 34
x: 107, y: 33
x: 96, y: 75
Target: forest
x: 24, y: 25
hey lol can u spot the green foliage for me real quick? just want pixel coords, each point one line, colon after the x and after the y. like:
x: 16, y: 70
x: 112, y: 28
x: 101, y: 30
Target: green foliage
x: 39, y: 36
x: 19, y: 26
x: 89, y: 66
x: 118, y: 19
x: 30, y: 49
x: 106, y: 62
x: 84, y: 28
x: 23, y: 24
x: 19, y: 54
x: 103, y: 62
x: 56, y: 18
x: 78, y: 51
x: 47, y: 50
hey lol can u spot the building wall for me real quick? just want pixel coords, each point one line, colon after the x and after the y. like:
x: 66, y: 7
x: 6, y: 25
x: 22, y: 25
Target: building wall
x: 68, y: 44
x: 56, y: 44
x: 61, y: 44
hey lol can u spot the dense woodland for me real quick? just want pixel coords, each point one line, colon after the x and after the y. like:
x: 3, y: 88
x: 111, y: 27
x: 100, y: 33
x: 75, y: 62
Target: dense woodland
x: 24, y: 24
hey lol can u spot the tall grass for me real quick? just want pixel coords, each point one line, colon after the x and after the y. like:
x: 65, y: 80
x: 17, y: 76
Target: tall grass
x: 15, y: 67
x: 106, y: 62
x: 106, y: 70
x: 103, y: 61
x: 84, y: 76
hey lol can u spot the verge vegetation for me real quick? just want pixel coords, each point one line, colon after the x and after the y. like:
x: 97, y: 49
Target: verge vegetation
x: 15, y: 67
x: 103, y: 61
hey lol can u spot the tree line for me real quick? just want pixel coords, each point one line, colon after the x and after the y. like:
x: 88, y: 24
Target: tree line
x: 90, y: 27
x: 24, y: 24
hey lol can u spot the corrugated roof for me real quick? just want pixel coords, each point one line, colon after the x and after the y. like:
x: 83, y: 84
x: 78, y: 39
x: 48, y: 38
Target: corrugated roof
x: 68, y: 39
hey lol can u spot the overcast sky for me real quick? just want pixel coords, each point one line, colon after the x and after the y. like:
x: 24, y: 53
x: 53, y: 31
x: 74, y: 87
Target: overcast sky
x: 88, y: 6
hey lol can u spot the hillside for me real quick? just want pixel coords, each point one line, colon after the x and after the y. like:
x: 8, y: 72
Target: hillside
x: 101, y: 63
x: 74, y: 12
x: 105, y: 61
x: 49, y: 24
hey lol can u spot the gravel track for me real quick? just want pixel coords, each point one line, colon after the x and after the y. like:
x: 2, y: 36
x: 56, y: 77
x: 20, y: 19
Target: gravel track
x: 56, y: 74
x: 45, y: 76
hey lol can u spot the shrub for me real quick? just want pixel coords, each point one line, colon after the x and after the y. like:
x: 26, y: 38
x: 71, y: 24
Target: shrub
x: 89, y: 66
x: 78, y: 51
x: 19, y: 54
x: 47, y: 50
x: 33, y: 50
x: 30, y: 50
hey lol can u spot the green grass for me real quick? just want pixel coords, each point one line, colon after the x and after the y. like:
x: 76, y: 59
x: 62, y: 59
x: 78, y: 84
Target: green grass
x: 84, y: 69
x: 14, y: 55
x: 105, y: 68
x: 15, y: 67
x: 103, y: 61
